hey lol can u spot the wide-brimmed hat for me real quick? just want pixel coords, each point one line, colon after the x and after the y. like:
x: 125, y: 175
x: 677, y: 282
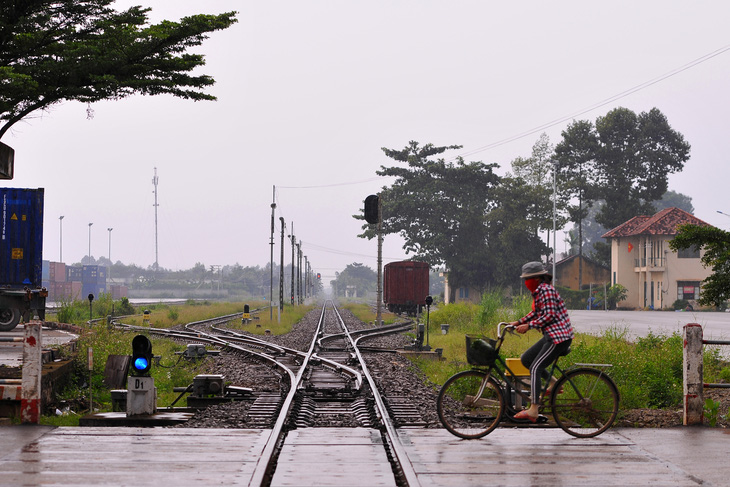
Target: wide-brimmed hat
x: 533, y: 269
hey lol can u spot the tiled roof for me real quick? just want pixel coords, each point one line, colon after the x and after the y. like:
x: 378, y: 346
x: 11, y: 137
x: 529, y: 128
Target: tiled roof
x: 663, y: 223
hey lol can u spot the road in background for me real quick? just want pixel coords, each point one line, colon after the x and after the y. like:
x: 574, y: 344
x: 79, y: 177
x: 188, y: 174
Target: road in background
x: 639, y: 323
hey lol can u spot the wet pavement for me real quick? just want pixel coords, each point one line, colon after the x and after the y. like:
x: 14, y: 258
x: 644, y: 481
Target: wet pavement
x: 11, y: 353
x: 683, y: 456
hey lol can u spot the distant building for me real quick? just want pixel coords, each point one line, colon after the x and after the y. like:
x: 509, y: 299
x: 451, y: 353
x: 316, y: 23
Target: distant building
x: 460, y: 294
x: 641, y: 260
x: 567, y: 270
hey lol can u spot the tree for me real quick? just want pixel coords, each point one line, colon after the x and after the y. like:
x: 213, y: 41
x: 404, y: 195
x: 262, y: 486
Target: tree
x: 635, y: 155
x: 716, y: 243
x: 511, y: 236
x: 677, y: 200
x: 439, y: 208
x: 56, y: 50
x: 355, y: 276
x: 576, y: 159
x: 537, y: 173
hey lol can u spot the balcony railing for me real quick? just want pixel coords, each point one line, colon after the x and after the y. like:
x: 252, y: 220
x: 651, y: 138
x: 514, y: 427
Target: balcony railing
x: 650, y: 262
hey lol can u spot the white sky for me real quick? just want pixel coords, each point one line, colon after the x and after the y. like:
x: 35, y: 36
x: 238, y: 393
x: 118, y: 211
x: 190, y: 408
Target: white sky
x: 308, y: 93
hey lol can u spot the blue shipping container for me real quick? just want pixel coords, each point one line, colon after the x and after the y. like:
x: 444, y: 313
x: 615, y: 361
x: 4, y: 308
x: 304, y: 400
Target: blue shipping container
x: 73, y: 273
x: 95, y: 274
x: 21, y: 237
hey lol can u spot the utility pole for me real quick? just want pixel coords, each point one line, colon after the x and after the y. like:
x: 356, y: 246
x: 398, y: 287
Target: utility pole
x: 555, y: 216
x: 299, y: 272
x: 293, y: 262
x: 109, y: 273
x: 155, y: 180
x: 379, y: 313
x: 90, y: 243
x: 271, y: 262
x: 281, y: 267
x: 60, y: 247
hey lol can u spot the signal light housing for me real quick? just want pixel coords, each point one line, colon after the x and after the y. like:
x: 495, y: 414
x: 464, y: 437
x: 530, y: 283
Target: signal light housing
x: 371, y: 209
x: 141, y: 356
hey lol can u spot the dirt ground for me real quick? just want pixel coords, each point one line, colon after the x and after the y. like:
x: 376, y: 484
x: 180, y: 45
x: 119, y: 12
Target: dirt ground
x: 665, y: 418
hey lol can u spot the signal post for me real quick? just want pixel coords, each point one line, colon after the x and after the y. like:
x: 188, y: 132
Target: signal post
x: 141, y: 390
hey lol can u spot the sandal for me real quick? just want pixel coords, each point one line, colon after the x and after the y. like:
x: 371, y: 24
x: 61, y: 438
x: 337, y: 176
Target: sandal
x: 524, y: 415
x: 549, y: 392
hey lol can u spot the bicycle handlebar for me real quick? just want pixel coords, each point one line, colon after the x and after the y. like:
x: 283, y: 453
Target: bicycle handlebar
x: 504, y: 326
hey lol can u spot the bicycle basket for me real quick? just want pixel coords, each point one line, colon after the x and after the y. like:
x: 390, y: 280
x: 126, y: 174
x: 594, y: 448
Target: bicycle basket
x: 480, y: 350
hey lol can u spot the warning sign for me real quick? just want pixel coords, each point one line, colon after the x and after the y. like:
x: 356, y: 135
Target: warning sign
x: 17, y: 254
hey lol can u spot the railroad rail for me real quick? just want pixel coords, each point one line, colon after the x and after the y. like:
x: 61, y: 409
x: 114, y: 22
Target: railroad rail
x: 328, y: 379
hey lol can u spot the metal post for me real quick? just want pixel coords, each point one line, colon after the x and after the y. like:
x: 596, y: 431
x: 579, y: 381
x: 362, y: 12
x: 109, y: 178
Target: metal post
x: 30, y: 391
x: 281, y: 268
x: 109, y: 274
x: 271, y: 261
x: 90, y: 243
x: 555, y: 215
x: 60, y: 239
x: 293, y: 262
x: 694, y: 401
x: 379, y: 313
x: 156, y: 180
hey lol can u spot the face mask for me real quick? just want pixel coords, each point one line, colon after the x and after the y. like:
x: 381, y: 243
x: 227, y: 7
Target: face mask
x: 532, y: 283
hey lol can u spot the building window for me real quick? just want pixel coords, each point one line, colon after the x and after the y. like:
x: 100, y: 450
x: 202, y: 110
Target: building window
x: 690, y: 253
x: 464, y: 293
x: 688, y: 290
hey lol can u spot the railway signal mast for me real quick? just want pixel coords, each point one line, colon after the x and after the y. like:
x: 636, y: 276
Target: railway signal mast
x: 155, y: 180
x: 374, y: 215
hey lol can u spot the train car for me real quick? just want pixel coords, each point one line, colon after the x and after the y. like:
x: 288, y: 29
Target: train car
x: 21, y: 256
x: 405, y: 286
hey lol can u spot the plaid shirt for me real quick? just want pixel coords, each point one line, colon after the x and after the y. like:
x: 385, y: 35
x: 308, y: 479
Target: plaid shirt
x: 549, y: 314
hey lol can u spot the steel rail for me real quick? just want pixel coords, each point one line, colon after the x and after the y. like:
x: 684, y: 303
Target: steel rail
x: 399, y: 452
x: 264, y: 463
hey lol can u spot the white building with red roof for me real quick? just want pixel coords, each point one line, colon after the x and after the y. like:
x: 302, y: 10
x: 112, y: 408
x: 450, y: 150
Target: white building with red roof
x: 641, y: 260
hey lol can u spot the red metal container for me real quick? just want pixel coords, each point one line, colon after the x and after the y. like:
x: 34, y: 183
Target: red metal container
x: 57, y: 272
x: 405, y: 286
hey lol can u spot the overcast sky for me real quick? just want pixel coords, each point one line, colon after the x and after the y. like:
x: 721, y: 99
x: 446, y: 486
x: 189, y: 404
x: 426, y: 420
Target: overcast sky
x: 309, y: 91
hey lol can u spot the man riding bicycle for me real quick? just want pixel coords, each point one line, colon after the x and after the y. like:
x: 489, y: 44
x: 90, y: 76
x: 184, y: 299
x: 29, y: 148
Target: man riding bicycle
x: 550, y: 316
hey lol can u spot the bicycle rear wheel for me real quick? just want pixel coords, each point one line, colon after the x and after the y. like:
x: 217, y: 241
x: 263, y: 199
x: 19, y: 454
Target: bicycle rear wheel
x: 468, y: 406
x: 588, y: 404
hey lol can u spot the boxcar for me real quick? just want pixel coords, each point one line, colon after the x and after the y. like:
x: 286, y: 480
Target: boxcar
x: 21, y: 256
x: 405, y: 286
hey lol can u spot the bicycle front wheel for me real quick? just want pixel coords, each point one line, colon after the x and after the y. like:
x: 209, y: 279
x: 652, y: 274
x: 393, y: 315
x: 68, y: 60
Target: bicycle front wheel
x: 588, y: 404
x: 469, y: 405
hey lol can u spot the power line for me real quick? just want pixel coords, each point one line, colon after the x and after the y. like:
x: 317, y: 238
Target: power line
x: 599, y: 104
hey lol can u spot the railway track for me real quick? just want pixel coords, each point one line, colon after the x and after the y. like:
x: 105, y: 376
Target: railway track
x: 327, y: 384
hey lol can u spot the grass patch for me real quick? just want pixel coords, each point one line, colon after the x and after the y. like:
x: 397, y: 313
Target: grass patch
x: 647, y: 371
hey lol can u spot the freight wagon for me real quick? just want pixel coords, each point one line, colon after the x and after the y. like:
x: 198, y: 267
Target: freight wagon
x: 21, y: 256
x: 405, y: 286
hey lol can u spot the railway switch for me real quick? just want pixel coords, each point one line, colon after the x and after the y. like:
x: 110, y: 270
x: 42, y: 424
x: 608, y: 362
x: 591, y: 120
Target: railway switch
x: 195, y: 351
x: 206, y: 385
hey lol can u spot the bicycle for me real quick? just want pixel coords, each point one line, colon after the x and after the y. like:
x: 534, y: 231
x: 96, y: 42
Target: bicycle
x: 471, y: 403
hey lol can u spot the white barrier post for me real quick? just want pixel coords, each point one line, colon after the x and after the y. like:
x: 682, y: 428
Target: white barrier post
x: 692, y: 375
x: 30, y: 394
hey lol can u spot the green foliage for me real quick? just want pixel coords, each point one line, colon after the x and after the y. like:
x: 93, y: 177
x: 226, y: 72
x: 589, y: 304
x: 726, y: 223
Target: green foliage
x: 680, y: 304
x: 648, y: 371
x: 716, y: 244
x: 86, y: 51
x: 712, y: 411
x: 615, y: 294
x: 610, y: 161
x: 438, y: 207
x: 78, y: 312
x: 358, y: 276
